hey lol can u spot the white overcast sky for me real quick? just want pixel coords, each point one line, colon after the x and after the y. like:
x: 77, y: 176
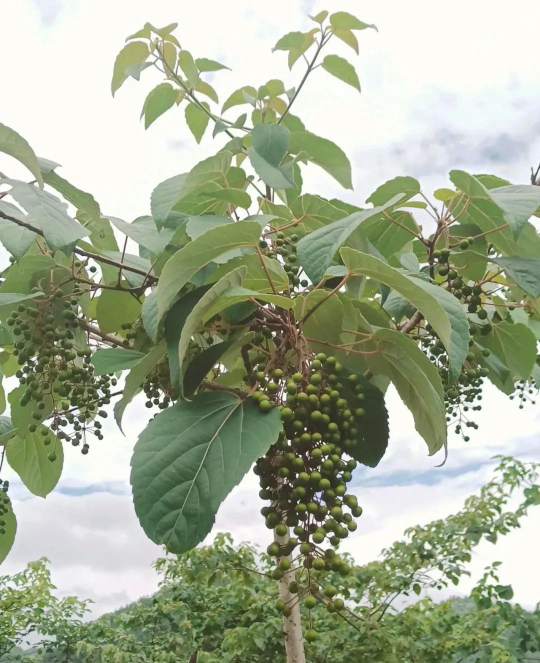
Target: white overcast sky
x: 445, y: 85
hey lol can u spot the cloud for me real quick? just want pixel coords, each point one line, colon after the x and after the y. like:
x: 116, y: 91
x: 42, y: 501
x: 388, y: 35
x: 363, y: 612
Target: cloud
x: 49, y: 10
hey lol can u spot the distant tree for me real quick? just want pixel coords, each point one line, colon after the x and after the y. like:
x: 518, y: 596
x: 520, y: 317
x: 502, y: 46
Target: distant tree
x: 29, y: 608
x: 216, y: 604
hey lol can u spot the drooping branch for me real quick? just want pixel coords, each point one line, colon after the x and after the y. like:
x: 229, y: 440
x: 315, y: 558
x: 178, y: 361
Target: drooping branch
x: 81, y: 252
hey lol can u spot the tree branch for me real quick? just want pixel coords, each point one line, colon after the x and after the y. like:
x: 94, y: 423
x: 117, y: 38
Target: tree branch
x: 82, y: 252
x: 108, y: 338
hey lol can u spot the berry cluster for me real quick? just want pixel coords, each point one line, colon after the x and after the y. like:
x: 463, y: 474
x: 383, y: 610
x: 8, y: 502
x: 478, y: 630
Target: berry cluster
x: 5, y: 504
x: 304, y: 475
x: 157, y: 387
x: 465, y: 394
x: 57, y: 371
x: 285, y: 246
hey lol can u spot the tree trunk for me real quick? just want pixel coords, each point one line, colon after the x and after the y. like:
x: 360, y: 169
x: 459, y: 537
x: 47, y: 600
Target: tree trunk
x: 292, y: 625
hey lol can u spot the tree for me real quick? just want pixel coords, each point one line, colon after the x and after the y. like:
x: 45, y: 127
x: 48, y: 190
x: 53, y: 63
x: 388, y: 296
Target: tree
x: 266, y: 323
x: 216, y: 603
x: 28, y: 607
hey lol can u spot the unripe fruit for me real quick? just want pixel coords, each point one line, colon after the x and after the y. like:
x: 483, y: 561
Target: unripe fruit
x: 330, y: 591
x: 310, y: 602
x: 281, y: 529
x: 310, y: 635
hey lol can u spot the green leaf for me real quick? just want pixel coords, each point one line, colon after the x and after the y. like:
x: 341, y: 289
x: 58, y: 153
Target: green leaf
x: 10, y: 298
x: 276, y: 177
x: 174, y: 323
x: 136, y: 377
x: 315, y: 211
x: 505, y: 592
x: 325, y: 154
x: 22, y: 416
x: 348, y: 37
x: 204, y: 64
x: 149, y: 315
x: 111, y: 360
x: 493, y: 207
x: 89, y: 213
x: 316, y: 251
x: 158, y: 101
x: 198, y: 225
x: 345, y: 20
x: 202, y: 364
x: 197, y: 121
x: 238, y: 98
x: 132, y: 53
x: 325, y: 324
x: 408, y: 186
x: 269, y: 146
x: 320, y: 17
x: 371, y: 441
x: 48, y: 213
x: 186, y: 262
x: 29, y: 457
x: 134, y: 280
x: 523, y: 271
x: 416, y: 380
x: 188, y: 460
x: 256, y: 278
x: 208, y: 90
x: 16, y: 146
x: 199, y: 312
x: 441, y: 309
x: 16, y: 239
x: 515, y: 346
x: 144, y: 232
x: 388, y: 232
x: 290, y: 41
x: 188, y: 66
x: 270, y: 141
x: 164, y: 197
x: 25, y: 273
x: 235, y: 197
x: 342, y: 69
x: 115, y: 308
x: 5, y: 425
x: 7, y: 539
x: 235, y: 295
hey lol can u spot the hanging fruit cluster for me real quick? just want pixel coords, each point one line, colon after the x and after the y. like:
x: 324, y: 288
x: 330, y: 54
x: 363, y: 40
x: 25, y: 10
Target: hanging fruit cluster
x: 157, y: 387
x: 285, y: 246
x: 5, y: 505
x: 304, y: 476
x: 56, y: 369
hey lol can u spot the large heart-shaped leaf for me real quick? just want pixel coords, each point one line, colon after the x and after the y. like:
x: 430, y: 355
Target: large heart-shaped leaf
x: 189, y: 458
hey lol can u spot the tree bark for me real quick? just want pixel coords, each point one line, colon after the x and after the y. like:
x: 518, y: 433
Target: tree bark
x: 292, y: 625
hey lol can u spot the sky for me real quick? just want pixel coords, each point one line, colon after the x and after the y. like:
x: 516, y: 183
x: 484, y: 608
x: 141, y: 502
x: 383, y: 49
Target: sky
x: 443, y: 86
